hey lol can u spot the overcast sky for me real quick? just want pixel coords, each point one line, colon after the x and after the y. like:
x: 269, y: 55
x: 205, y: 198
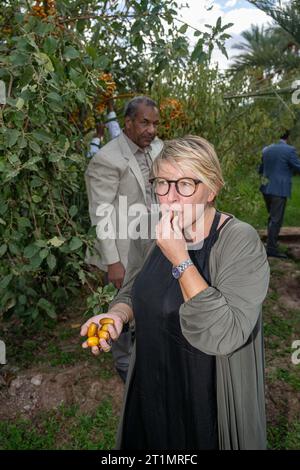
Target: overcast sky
x: 239, y: 12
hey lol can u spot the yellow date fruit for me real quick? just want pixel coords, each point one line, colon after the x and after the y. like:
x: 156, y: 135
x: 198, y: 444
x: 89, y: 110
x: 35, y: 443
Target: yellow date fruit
x: 92, y: 331
x: 93, y: 341
x: 103, y: 334
x: 105, y: 327
x: 106, y: 321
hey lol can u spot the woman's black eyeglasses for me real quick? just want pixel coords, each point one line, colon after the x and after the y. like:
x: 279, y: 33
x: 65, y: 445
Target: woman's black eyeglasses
x: 184, y: 186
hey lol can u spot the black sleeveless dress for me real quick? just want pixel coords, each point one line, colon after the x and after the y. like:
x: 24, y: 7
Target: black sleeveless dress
x: 171, y: 401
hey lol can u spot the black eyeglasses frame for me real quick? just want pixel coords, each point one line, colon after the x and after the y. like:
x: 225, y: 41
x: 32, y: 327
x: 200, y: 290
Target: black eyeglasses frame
x: 195, y: 181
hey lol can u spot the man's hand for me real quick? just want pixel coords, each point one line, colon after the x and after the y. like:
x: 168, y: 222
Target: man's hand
x: 116, y: 273
x: 100, y: 129
x: 110, y: 106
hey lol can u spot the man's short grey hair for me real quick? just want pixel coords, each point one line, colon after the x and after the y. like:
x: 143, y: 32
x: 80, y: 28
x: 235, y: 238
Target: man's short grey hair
x: 131, y: 107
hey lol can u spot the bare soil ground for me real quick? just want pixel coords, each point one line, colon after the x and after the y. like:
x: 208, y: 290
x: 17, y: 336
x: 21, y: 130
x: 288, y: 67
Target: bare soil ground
x: 47, y: 368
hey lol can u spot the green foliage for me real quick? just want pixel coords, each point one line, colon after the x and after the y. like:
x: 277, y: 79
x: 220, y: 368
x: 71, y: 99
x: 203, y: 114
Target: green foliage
x: 98, y: 301
x: 284, y: 435
x: 64, y: 429
x: 238, y: 130
x: 51, y: 67
x: 286, y: 15
x: 52, y: 58
x: 45, y: 227
x: 291, y: 378
x: 266, y: 50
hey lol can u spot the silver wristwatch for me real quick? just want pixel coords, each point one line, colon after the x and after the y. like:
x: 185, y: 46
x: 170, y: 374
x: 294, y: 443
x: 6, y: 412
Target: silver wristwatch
x: 178, y: 270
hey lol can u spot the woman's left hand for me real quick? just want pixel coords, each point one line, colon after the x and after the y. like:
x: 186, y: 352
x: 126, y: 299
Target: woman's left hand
x: 170, y: 239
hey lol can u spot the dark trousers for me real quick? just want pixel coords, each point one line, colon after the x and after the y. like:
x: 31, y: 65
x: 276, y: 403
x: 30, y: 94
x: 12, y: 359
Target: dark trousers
x: 275, y: 207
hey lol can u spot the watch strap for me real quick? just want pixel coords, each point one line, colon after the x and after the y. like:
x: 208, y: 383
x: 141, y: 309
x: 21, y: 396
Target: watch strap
x: 182, y: 267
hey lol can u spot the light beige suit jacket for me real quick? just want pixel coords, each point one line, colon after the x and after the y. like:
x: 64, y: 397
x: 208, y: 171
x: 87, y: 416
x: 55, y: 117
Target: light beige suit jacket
x: 111, y: 173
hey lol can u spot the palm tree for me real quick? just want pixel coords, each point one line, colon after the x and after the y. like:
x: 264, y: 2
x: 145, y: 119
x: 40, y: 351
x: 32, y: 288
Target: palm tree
x: 287, y: 16
x: 271, y: 50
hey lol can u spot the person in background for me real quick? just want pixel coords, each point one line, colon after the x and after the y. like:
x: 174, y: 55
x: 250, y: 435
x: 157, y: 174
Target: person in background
x: 279, y: 162
x: 196, y: 378
x: 122, y: 168
x: 114, y: 130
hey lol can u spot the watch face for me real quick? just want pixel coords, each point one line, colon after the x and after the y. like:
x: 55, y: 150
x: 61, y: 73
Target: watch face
x: 176, y: 273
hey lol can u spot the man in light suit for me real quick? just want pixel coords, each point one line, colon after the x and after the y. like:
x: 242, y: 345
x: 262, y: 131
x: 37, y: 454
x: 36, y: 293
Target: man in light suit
x: 279, y: 162
x: 122, y: 168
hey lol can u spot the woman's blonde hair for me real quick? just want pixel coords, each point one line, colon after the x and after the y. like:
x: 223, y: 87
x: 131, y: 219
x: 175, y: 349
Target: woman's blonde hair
x: 192, y: 153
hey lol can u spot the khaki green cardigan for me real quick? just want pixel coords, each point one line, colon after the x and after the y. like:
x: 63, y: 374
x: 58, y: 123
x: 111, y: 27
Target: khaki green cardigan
x: 224, y: 320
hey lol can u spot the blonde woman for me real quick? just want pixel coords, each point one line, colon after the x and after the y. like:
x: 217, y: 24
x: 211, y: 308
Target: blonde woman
x: 196, y: 379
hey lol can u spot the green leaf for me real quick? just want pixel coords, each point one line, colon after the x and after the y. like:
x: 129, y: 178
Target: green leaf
x: 14, y: 249
x: 41, y: 243
x: 42, y: 136
x: 26, y: 76
x: 2, y: 166
x: 20, y: 103
x: 12, y: 174
x: 34, y: 313
x: 71, y: 53
x: 82, y: 276
x: 2, y: 222
x: 75, y: 243
x: 73, y: 211
x: 31, y: 250
x: 34, y: 146
x: 12, y: 136
x: 80, y: 25
x: 35, y: 261
x: 65, y: 248
x: 13, y: 159
x: 57, y: 242
x: 138, y: 42
x: 223, y: 49
x: 23, y: 222
x: 75, y: 157
x: 3, y: 249
x: 51, y: 261
x: 43, y: 304
x: 32, y: 161
x: 198, y: 54
x: 5, y: 281
x: 183, y: 28
x: 44, y: 59
x: 36, y: 199
x: 18, y: 58
x: 76, y: 77
x: 44, y: 253
x: 92, y: 51
x: 54, y: 96
x: 22, y: 142
x: 50, y: 45
x: 81, y: 96
x: 54, y: 157
x: 102, y: 62
x: 226, y: 26
x: 56, y: 107
x: 42, y: 28
x: 22, y: 299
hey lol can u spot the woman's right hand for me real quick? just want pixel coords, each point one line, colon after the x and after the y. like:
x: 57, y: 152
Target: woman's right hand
x: 114, y: 330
